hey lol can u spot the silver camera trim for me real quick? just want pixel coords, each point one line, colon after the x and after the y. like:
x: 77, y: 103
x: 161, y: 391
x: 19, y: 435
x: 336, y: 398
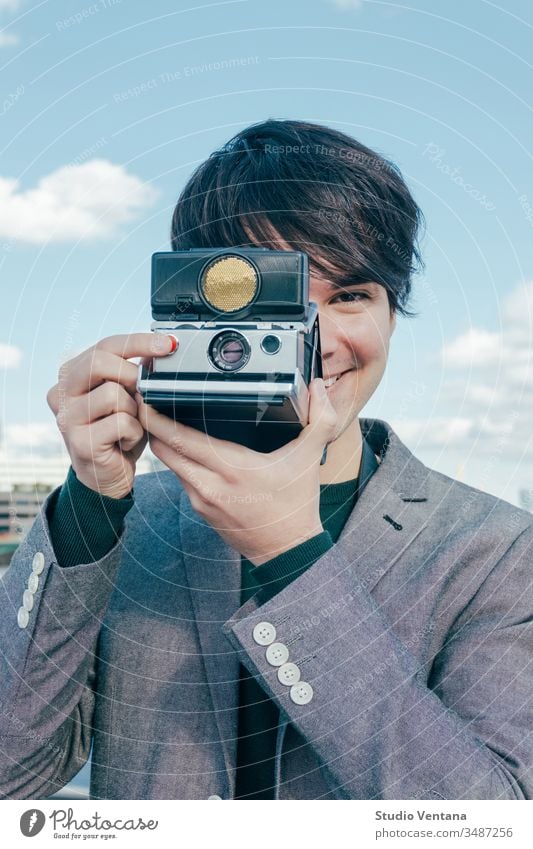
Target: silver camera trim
x: 295, y: 391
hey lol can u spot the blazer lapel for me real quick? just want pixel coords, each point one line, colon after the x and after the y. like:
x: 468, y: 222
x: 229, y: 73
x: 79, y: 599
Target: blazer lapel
x: 392, y: 509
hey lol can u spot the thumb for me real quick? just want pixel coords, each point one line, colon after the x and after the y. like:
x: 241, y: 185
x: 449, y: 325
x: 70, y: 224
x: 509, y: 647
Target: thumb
x: 322, y: 415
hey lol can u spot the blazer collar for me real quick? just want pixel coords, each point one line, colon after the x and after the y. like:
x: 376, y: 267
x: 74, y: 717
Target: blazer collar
x: 402, y: 472
x: 388, y: 516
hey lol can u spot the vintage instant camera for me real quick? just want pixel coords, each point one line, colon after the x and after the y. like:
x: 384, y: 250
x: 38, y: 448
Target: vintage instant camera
x: 248, y: 343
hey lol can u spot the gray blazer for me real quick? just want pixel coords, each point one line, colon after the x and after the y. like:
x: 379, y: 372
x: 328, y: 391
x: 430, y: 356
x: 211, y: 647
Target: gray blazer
x: 414, y: 632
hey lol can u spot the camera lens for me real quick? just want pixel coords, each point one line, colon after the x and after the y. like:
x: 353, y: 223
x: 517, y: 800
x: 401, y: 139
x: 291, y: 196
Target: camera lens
x: 232, y: 351
x: 229, y: 350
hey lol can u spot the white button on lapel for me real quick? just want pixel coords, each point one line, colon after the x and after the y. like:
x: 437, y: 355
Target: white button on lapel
x: 33, y: 582
x: 301, y: 693
x: 264, y: 633
x: 27, y: 600
x: 38, y: 563
x: 277, y: 654
x: 23, y: 617
x: 214, y: 796
x: 288, y: 674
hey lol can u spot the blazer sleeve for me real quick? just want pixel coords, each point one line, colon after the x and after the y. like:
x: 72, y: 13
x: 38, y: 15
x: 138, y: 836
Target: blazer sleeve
x: 382, y: 725
x: 47, y: 663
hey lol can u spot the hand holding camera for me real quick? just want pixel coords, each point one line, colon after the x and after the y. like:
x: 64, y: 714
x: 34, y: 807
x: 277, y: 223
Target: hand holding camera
x: 261, y: 504
x: 96, y: 411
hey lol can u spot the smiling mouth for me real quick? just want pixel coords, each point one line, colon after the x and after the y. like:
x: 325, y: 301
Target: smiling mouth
x: 331, y: 381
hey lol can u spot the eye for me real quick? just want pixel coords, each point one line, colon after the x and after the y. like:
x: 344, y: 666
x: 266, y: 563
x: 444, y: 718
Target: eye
x: 351, y: 297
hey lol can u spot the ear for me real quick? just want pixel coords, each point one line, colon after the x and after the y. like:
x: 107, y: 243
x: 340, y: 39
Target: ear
x: 392, y: 322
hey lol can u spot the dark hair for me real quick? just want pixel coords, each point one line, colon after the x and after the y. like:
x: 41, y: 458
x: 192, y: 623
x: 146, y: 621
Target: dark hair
x: 322, y: 191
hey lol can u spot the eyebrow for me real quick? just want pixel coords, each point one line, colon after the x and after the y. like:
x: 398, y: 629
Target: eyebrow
x: 334, y: 287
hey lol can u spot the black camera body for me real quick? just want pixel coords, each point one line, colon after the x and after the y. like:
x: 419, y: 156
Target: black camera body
x: 249, y: 343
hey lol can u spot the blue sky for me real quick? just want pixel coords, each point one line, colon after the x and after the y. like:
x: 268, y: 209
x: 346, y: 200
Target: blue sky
x: 106, y: 107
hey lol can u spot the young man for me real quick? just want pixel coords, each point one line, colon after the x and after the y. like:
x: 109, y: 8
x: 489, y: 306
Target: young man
x: 249, y: 625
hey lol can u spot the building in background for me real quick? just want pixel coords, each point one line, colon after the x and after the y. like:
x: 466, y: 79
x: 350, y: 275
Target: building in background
x: 18, y: 509
x: 25, y: 481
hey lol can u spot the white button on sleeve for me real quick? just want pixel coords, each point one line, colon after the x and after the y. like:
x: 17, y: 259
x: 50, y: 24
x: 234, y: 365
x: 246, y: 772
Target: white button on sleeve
x: 301, y: 693
x: 23, y: 617
x: 288, y: 674
x: 264, y: 633
x: 38, y: 563
x: 33, y: 582
x: 277, y: 654
x: 27, y: 600
x: 214, y: 796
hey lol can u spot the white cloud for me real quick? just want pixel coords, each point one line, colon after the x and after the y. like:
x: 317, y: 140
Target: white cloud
x: 487, y: 388
x: 436, y: 431
x: 8, y: 39
x: 10, y: 356
x: 473, y: 348
x: 74, y: 202
x: 42, y: 438
x: 347, y: 4
x: 518, y: 308
x: 504, y: 356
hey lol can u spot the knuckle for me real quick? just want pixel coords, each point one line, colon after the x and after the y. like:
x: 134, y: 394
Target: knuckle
x: 79, y: 444
x: 102, y: 344
x: 231, y: 476
x: 63, y: 373
x: 62, y: 420
x: 209, y: 497
x: 97, y: 360
x: 177, y: 444
x: 52, y: 399
x: 331, y: 419
x: 197, y: 502
x: 128, y: 427
x: 138, y: 430
x: 124, y: 422
x: 111, y: 394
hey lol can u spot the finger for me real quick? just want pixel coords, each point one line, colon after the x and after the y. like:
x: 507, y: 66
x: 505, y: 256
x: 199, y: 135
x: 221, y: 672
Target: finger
x: 102, y: 401
x: 197, y: 476
x: 137, y: 449
x: 322, y: 419
x: 108, y: 360
x: 210, y: 452
x: 139, y: 345
x: 89, y: 441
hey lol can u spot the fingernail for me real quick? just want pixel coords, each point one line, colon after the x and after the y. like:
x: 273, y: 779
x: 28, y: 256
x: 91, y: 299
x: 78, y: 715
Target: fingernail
x: 173, y: 343
x: 160, y: 344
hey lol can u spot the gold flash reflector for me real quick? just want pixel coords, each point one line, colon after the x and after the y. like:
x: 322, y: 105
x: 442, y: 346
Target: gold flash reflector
x: 229, y: 283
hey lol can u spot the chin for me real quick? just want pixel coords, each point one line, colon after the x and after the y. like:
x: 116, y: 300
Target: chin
x: 345, y: 420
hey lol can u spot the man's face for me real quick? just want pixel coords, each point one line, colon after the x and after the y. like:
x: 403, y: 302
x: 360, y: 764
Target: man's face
x: 356, y: 324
